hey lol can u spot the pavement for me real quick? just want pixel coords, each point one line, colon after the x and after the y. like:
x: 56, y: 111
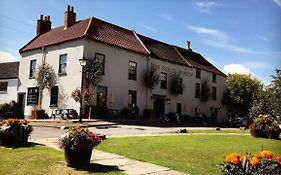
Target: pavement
x: 128, y: 166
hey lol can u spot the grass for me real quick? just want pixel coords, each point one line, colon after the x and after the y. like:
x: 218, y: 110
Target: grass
x: 193, y: 154
x: 235, y: 131
x: 37, y: 159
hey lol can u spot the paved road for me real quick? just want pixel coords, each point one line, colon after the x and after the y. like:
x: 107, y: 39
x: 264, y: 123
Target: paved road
x: 110, y: 130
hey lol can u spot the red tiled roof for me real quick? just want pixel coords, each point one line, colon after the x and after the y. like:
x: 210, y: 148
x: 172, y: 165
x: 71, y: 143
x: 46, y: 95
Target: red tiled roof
x: 198, y: 61
x: 114, y: 35
x: 58, y: 35
x: 9, y: 70
x: 96, y: 29
x: 162, y: 50
x: 91, y: 28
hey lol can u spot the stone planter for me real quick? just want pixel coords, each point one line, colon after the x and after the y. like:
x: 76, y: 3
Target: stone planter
x: 38, y: 114
x: 273, y: 134
x: 79, y: 157
x: 257, y: 133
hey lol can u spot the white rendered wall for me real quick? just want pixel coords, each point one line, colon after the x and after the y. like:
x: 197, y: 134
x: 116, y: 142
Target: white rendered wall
x: 11, y: 93
x: 67, y: 83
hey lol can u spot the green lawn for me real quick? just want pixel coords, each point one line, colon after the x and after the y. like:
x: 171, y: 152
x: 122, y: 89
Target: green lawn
x: 193, y: 154
x: 38, y: 160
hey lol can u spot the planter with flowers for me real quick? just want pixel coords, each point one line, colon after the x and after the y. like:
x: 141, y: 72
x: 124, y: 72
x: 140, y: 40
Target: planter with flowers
x: 262, y: 163
x: 15, y: 132
x: 266, y: 126
x: 78, y: 144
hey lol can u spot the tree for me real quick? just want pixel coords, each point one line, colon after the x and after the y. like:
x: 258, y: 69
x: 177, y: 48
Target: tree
x: 240, y: 90
x: 176, y: 85
x: 205, y: 91
x: 93, y: 71
x: 267, y: 100
x: 151, y: 78
x: 45, y: 78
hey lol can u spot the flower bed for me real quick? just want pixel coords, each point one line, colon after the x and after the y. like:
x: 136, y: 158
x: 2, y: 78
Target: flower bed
x: 266, y: 126
x: 14, y: 132
x: 262, y: 163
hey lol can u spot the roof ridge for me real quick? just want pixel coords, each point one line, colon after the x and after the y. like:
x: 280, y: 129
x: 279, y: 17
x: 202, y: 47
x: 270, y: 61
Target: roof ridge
x: 182, y: 56
x: 135, y: 34
x: 87, y: 29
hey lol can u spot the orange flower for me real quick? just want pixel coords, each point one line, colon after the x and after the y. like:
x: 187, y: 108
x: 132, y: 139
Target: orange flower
x: 258, y: 155
x: 233, y: 158
x: 278, y: 160
x: 254, y: 161
x: 242, y: 158
x: 266, y: 154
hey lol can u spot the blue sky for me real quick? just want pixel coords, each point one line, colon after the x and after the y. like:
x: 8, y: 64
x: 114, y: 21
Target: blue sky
x: 241, y: 36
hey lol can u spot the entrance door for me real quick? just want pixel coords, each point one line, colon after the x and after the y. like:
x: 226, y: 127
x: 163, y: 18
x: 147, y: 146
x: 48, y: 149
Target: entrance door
x: 21, y: 103
x: 159, y: 105
x: 179, y: 108
x: 101, y: 96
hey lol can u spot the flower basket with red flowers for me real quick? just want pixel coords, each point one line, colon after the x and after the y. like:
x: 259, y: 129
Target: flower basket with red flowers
x: 262, y: 163
x: 78, y: 143
x: 15, y: 132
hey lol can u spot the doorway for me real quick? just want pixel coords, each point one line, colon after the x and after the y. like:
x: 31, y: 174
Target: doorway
x: 21, y: 103
x: 159, y: 105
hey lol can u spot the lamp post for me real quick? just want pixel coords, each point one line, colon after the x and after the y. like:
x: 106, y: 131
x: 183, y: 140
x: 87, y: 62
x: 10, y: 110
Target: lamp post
x: 83, y: 62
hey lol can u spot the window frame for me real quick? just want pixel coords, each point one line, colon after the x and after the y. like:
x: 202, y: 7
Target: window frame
x: 163, y: 84
x: 198, y: 73
x: 32, y: 70
x: 214, y: 78
x: 197, y: 90
x: 5, y: 85
x: 28, y: 103
x: 103, y: 61
x: 56, y: 96
x: 62, y: 64
x: 134, y: 75
x: 214, y: 93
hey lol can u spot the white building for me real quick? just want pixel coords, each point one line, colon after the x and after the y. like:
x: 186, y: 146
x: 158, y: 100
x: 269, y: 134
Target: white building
x: 125, y: 55
x: 9, y: 73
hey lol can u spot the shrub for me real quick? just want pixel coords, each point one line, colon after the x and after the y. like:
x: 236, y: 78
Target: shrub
x: 9, y: 110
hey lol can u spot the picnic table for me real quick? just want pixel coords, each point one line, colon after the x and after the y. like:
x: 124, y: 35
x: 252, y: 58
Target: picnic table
x: 64, y: 113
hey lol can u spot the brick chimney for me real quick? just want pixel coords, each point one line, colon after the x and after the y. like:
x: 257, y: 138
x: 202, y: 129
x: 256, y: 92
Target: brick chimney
x: 188, y: 45
x: 43, y: 25
x: 69, y: 17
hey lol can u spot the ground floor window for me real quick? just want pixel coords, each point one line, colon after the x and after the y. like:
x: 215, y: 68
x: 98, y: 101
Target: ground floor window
x: 32, y: 96
x: 132, y: 98
x: 179, y: 108
x: 214, y: 93
x: 54, y: 96
x: 101, y: 96
x: 3, y: 86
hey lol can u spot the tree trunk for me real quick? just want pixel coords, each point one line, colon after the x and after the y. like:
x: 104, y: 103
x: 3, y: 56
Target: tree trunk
x: 40, y: 98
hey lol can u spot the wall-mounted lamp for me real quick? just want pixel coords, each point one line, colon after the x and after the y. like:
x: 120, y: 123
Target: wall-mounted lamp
x: 220, y: 109
x: 168, y: 100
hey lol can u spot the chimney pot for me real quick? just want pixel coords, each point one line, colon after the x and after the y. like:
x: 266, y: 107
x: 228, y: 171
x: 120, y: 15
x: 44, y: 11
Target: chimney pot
x: 68, y: 8
x: 69, y: 17
x: 188, y: 45
x: 43, y: 25
x: 41, y: 17
x: 72, y: 9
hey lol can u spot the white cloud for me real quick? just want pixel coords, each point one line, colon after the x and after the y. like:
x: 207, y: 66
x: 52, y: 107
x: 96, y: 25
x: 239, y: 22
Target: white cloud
x: 151, y: 29
x: 7, y: 57
x: 277, y: 2
x: 236, y: 68
x: 167, y: 17
x: 264, y: 38
x: 206, y: 6
x: 220, y: 39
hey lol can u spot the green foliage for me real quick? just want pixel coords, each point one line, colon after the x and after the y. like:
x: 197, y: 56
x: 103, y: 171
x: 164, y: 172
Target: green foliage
x: 176, y: 86
x: 205, y: 91
x: 267, y: 100
x: 240, y: 90
x: 151, y: 78
x: 45, y: 76
x: 9, y: 110
x: 93, y: 71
